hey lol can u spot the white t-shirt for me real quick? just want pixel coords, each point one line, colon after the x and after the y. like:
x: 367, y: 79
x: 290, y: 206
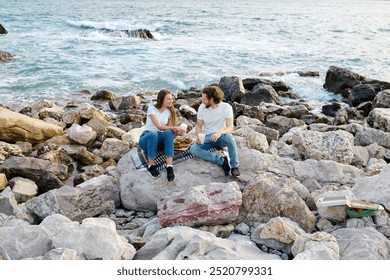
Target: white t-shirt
x: 214, y: 119
x: 162, y: 117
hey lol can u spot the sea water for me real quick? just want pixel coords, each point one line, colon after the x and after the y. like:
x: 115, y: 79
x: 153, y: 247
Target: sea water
x: 61, y: 47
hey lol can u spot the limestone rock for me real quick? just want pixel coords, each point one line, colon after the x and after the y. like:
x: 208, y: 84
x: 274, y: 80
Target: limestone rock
x: 17, y: 127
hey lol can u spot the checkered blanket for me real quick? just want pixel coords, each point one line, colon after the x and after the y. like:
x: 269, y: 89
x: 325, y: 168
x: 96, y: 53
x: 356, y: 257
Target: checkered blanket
x: 140, y: 158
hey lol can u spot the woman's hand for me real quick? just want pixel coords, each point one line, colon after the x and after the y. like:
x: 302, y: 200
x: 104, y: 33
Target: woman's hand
x: 180, y: 130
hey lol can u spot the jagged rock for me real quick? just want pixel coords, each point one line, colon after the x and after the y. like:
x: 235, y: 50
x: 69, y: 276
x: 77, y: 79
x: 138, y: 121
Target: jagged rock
x: 46, y: 174
x: 362, y: 244
x: 283, y: 124
x: 254, y: 139
x: 113, y: 148
x: 278, y: 233
x: 272, y: 196
x: 139, y: 33
x: 103, y: 95
x: 23, y: 189
x: 374, y: 188
x: 94, y: 238
x: 362, y: 93
x: 87, y: 111
x: 125, y: 103
x: 97, y: 196
x: 2, y: 29
x: 28, y: 241
x: 333, y: 145
x: 61, y: 254
x: 7, y: 202
x: 379, y: 118
x: 232, y: 87
x: 369, y: 136
x: 260, y: 93
x: 331, y: 109
x: 382, y: 99
x: 3, y: 181
x: 316, y: 246
x: 7, y: 150
x: 4, y: 56
x: 81, y: 134
x: 340, y: 80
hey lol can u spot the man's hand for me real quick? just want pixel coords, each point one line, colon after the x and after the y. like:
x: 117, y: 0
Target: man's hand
x: 215, y: 137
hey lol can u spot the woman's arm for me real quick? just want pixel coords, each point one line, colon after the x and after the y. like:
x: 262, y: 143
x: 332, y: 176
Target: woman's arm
x: 169, y: 125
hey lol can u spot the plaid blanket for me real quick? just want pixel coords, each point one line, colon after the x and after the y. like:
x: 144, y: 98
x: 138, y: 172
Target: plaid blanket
x: 140, y: 158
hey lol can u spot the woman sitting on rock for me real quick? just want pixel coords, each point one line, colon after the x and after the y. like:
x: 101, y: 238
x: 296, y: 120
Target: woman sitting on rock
x: 159, y: 135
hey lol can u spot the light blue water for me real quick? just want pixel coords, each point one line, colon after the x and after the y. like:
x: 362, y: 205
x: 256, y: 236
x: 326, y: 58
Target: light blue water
x: 62, y: 46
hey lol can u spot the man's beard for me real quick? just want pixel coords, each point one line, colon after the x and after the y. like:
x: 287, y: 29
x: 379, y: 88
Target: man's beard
x: 207, y: 106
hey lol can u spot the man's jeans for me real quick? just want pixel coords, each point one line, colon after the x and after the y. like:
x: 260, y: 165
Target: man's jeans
x: 153, y: 141
x: 226, y: 140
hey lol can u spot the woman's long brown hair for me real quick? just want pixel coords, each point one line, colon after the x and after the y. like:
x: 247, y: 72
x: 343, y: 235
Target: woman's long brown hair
x: 160, y: 100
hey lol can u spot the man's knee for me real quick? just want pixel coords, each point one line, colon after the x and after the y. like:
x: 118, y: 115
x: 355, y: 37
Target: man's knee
x: 192, y: 149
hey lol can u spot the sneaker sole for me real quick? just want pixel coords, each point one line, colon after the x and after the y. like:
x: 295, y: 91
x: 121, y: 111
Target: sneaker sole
x: 154, y: 177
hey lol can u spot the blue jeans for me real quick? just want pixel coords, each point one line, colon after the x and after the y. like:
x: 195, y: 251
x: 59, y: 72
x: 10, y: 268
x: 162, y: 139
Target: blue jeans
x: 153, y: 141
x: 226, y: 140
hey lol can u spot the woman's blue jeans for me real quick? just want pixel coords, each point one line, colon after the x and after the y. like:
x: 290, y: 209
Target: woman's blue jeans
x: 153, y: 141
x: 226, y: 140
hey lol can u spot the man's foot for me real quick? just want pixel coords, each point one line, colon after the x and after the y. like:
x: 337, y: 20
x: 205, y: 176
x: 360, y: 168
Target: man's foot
x: 235, y: 172
x: 170, y: 174
x: 153, y: 171
x: 225, y: 166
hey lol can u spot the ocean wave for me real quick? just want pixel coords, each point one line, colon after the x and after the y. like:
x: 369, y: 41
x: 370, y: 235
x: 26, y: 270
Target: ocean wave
x: 115, y: 29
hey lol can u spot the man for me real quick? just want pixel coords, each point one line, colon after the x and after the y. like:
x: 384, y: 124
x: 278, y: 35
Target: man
x: 216, y: 117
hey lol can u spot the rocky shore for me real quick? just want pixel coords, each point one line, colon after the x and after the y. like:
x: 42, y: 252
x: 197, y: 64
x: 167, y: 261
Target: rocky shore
x: 69, y: 188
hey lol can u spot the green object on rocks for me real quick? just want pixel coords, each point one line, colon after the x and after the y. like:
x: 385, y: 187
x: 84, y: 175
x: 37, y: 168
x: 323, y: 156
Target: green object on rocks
x: 358, y: 212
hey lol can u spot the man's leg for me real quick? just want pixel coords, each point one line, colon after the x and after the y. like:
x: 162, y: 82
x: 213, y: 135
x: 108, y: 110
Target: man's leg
x: 202, y: 151
x: 229, y: 142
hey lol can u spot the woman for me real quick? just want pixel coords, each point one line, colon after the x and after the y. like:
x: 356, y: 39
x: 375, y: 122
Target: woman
x: 159, y: 131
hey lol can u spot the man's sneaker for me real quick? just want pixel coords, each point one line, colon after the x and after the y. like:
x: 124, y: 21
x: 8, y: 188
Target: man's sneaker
x: 170, y: 174
x: 225, y: 166
x: 235, y: 172
x: 153, y: 171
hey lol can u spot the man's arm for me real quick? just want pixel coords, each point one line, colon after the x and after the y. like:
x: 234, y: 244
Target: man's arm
x: 227, y: 129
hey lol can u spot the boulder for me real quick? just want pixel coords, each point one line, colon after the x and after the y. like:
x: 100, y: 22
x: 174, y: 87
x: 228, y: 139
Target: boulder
x: 211, y: 204
x: 17, y: 127
x: 4, y: 56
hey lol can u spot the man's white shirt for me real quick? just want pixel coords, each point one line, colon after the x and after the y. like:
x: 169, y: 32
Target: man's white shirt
x: 214, y: 120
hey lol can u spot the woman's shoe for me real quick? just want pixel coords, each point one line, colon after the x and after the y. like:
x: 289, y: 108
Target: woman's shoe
x: 153, y: 171
x: 170, y: 174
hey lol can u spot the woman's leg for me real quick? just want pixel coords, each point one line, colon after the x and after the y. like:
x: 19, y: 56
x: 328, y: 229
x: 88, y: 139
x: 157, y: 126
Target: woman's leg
x: 148, y: 142
x: 169, y: 139
x: 166, y: 143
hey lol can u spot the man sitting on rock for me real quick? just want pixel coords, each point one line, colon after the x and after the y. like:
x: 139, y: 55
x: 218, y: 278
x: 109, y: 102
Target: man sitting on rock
x: 216, y: 117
